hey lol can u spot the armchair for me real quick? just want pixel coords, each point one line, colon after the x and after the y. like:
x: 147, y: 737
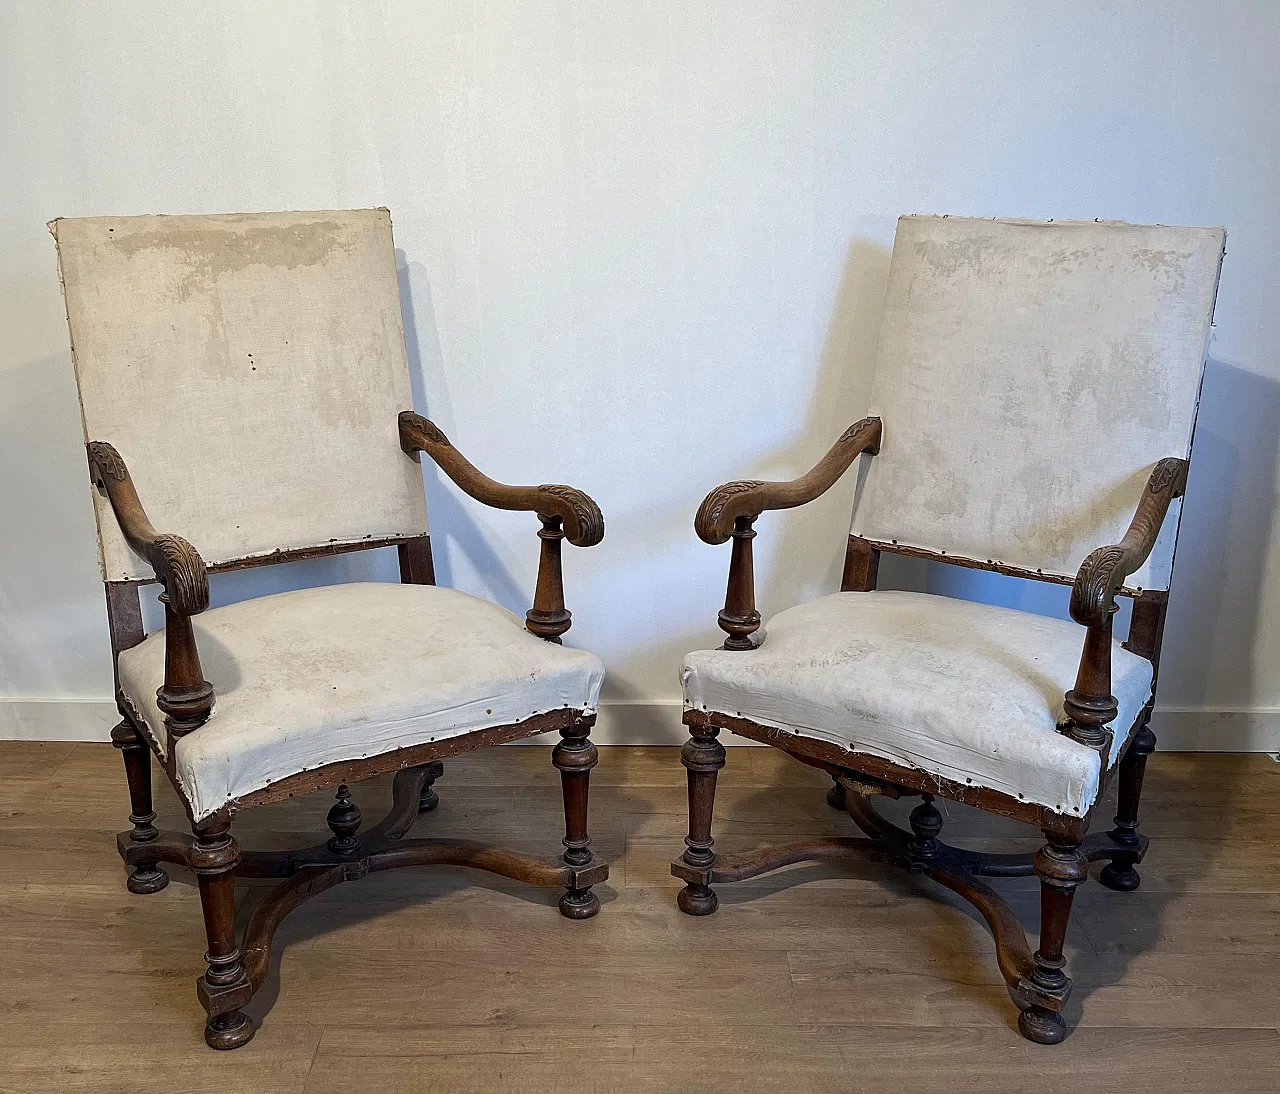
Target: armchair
x: 1030, y: 385
x: 251, y: 371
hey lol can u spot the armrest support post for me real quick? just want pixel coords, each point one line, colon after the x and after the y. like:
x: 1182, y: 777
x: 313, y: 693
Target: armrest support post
x: 549, y: 618
x: 739, y: 618
x: 1090, y: 705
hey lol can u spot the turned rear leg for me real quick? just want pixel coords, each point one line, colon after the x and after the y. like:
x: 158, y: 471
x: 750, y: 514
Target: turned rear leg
x: 703, y: 757
x: 147, y: 876
x: 1061, y: 867
x: 224, y: 989
x: 1121, y: 873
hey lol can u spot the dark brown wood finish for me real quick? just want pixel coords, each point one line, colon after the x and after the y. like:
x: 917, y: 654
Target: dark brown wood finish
x: 1090, y: 706
x: 731, y: 510
x: 351, y: 853
x: 224, y: 989
x: 416, y: 564
x: 186, y: 697
x: 861, y: 566
x: 1038, y: 980
x: 565, y: 513
x: 703, y: 757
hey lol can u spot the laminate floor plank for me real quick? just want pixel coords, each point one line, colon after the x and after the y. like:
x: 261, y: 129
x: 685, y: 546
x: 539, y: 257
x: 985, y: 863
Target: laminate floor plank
x: 817, y: 978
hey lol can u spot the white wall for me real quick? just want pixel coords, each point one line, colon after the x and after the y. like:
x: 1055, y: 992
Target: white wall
x: 643, y: 248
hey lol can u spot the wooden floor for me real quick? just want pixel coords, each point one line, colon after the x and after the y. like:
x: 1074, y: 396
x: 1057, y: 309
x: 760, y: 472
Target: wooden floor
x: 812, y: 980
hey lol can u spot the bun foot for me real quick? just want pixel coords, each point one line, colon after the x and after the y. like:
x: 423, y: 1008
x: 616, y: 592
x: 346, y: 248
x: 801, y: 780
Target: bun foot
x: 1043, y: 1026
x: 146, y: 880
x: 227, y: 1031
x: 1121, y: 877
x: 579, y: 904
x: 697, y: 900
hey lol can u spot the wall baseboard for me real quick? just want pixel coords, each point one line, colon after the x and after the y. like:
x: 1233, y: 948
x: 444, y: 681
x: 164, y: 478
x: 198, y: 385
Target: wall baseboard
x: 657, y: 722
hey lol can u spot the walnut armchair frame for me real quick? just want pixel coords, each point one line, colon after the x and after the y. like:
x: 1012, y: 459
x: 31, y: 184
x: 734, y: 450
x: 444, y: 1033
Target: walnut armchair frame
x: 1038, y: 979
x: 236, y: 970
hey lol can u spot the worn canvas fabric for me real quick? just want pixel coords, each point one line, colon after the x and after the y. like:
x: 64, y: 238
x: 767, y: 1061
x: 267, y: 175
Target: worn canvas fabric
x: 249, y: 368
x: 1029, y: 376
x: 969, y: 692
x: 345, y: 672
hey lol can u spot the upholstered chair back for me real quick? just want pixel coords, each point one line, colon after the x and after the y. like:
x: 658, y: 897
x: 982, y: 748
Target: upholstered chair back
x: 1030, y: 376
x: 249, y: 369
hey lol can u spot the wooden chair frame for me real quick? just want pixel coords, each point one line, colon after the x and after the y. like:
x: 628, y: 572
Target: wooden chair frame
x: 1038, y: 980
x: 237, y: 970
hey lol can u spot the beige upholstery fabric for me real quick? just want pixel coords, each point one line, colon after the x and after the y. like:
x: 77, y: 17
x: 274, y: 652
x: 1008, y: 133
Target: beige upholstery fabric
x: 969, y: 692
x: 316, y: 676
x: 1029, y: 376
x: 249, y: 368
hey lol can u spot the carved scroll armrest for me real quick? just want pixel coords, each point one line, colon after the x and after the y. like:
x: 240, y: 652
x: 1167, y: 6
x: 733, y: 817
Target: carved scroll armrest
x: 565, y: 512
x: 186, y: 698
x: 1104, y: 571
x: 177, y: 564
x: 731, y: 509
x: 1090, y: 705
x: 721, y: 509
x: 583, y: 521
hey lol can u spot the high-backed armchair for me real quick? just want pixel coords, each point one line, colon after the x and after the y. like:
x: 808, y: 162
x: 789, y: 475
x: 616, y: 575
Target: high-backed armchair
x: 1033, y: 404
x: 243, y: 378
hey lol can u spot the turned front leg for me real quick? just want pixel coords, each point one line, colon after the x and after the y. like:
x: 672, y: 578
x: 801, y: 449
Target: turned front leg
x: 703, y: 757
x: 574, y: 757
x: 224, y: 989
x: 146, y: 876
x: 1061, y: 867
x: 1120, y: 873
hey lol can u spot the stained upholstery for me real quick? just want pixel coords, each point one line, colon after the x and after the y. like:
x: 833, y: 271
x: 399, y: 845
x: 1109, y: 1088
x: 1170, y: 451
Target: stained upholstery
x: 969, y: 692
x: 344, y: 672
x: 1029, y: 376
x: 249, y: 368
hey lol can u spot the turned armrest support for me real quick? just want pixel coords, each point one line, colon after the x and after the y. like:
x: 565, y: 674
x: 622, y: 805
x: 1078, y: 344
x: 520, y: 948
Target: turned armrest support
x: 565, y: 513
x: 721, y: 509
x: 730, y: 511
x: 1090, y: 705
x: 186, y: 698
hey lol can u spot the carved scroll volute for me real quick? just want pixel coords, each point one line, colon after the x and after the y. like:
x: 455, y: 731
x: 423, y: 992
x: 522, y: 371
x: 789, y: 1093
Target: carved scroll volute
x: 583, y: 521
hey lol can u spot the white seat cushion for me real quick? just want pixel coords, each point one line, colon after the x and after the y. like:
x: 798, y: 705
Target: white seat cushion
x: 968, y: 692
x: 343, y: 672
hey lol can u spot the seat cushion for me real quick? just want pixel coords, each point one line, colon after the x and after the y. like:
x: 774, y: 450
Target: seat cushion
x: 969, y: 692
x: 344, y: 672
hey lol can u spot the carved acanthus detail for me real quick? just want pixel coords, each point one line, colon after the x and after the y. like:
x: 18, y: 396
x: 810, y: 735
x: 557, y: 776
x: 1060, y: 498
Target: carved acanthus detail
x: 857, y: 428
x: 187, y: 581
x: 1096, y: 584
x: 582, y: 510
x: 428, y: 428
x: 107, y: 460
x: 1166, y: 473
x: 707, y: 522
